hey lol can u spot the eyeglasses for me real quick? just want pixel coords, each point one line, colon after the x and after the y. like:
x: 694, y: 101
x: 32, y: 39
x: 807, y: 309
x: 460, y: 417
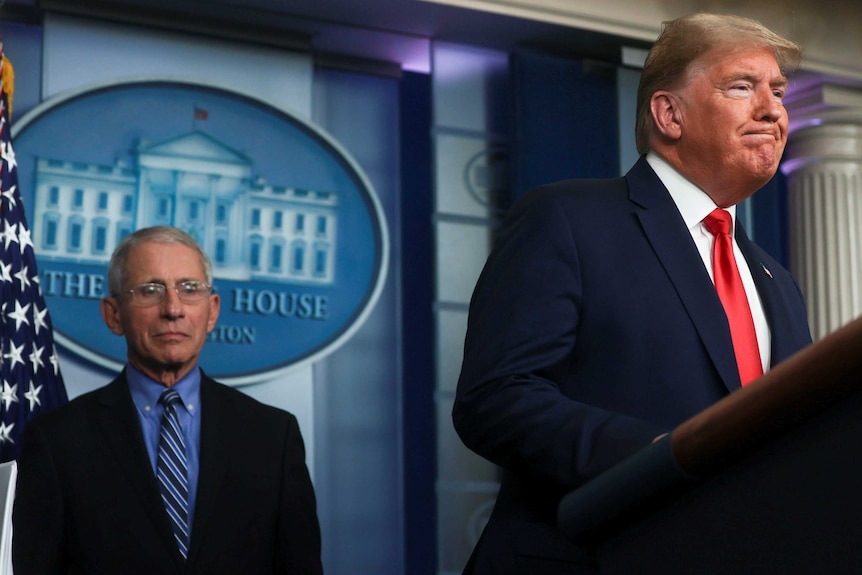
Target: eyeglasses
x: 190, y: 291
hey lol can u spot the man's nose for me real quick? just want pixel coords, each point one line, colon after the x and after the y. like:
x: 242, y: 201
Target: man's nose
x: 172, y: 306
x: 769, y: 106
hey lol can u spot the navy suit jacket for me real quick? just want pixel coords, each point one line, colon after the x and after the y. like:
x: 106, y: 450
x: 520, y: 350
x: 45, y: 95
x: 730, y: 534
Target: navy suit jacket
x: 87, y: 499
x: 593, y: 328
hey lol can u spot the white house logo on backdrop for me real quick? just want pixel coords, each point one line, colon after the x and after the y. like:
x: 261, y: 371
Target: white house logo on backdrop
x: 294, y: 231
x: 199, y: 184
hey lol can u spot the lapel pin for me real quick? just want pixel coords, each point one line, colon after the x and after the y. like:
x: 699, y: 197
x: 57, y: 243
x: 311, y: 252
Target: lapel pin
x: 766, y: 270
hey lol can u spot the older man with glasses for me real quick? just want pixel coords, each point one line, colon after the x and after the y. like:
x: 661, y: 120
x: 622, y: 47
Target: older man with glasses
x: 164, y: 470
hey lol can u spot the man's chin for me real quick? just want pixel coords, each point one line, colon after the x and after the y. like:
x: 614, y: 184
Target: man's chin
x: 765, y: 161
x: 166, y: 370
x: 762, y: 170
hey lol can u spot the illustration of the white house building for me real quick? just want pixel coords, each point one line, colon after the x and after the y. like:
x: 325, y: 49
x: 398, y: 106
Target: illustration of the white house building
x: 251, y: 230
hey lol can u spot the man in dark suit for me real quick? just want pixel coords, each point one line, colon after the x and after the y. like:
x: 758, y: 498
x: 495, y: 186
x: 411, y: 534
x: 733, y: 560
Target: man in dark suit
x: 595, y: 326
x: 89, y: 498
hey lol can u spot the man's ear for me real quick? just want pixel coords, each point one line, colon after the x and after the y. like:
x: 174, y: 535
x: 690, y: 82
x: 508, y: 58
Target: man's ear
x: 666, y: 114
x: 110, y: 309
x: 215, y: 306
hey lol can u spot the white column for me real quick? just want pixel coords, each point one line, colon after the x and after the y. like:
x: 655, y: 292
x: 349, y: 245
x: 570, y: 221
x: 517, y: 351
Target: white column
x: 823, y: 165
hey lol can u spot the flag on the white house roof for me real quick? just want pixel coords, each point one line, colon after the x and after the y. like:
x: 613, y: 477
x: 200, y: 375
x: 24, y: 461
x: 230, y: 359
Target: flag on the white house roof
x: 30, y: 379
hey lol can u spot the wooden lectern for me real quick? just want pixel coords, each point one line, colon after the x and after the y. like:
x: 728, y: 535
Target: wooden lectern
x: 766, y: 481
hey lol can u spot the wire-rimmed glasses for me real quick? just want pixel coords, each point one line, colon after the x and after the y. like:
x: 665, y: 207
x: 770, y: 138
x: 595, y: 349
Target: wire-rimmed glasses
x: 189, y: 291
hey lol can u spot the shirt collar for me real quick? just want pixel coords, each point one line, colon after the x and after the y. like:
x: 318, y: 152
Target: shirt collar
x: 146, y: 391
x: 692, y: 202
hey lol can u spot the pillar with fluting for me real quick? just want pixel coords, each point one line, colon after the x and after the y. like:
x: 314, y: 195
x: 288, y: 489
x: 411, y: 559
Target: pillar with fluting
x: 823, y: 165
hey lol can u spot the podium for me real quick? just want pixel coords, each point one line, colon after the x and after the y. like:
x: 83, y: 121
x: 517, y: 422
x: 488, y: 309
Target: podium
x: 766, y: 481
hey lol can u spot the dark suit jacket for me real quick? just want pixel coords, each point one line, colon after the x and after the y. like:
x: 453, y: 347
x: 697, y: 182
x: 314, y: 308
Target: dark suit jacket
x: 87, y: 499
x: 593, y: 328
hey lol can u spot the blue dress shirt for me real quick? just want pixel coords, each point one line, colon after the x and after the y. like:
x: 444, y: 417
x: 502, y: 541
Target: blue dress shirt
x: 145, y: 395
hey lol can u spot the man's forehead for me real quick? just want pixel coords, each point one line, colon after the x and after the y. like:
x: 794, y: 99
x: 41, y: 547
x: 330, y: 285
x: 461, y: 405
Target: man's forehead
x: 754, y: 63
x: 173, y: 256
x: 738, y: 57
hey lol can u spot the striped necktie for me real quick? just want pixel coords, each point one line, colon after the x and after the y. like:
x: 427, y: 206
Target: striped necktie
x: 171, y: 470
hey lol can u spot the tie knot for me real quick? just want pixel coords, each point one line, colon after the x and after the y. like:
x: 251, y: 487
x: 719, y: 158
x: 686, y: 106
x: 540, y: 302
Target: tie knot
x: 169, y: 397
x: 718, y: 222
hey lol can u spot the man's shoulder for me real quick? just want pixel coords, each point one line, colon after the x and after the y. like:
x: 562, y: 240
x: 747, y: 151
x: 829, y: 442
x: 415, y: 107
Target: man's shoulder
x: 572, y: 199
x: 78, y: 408
x: 579, y: 187
x: 640, y: 174
x: 255, y: 420
x: 238, y: 399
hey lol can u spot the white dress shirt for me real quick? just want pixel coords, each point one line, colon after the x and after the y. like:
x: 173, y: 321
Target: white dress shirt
x: 694, y: 205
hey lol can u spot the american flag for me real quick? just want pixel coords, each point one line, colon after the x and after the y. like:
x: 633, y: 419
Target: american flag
x: 30, y: 379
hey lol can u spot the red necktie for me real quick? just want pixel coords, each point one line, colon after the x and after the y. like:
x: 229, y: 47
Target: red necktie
x: 728, y: 284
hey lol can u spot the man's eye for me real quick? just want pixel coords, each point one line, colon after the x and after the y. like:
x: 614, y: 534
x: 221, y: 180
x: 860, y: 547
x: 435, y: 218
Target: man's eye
x: 190, y: 287
x: 149, y: 290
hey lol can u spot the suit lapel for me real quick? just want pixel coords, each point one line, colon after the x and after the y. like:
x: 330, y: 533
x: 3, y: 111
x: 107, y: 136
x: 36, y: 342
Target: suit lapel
x: 672, y: 243
x: 217, y: 443
x: 778, y: 316
x: 119, y: 424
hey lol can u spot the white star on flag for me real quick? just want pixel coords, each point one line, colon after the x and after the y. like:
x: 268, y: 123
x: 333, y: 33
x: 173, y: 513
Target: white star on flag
x: 9, y: 234
x: 55, y: 363
x: 9, y: 394
x: 15, y: 354
x: 24, y: 278
x: 39, y: 316
x: 32, y: 396
x: 9, y: 195
x: 36, y: 359
x: 5, y: 269
x: 6, y: 433
x: 9, y: 154
x: 25, y: 240
x: 19, y: 315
